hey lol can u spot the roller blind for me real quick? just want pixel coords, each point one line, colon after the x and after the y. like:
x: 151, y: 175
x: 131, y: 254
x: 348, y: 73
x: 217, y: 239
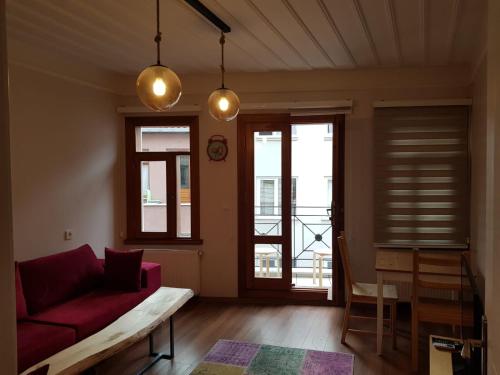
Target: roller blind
x: 421, y: 177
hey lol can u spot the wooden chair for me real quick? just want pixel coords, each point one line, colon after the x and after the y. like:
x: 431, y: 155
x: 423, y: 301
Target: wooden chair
x: 440, y: 272
x: 366, y: 294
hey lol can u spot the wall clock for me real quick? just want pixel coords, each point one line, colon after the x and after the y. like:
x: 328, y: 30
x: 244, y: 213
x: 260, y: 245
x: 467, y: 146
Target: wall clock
x: 217, y: 148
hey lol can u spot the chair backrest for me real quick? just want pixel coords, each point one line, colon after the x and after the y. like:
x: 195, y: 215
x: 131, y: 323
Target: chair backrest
x: 344, y: 255
x: 437, y: 271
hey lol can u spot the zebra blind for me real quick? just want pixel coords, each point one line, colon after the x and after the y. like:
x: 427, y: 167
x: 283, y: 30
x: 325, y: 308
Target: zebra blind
x: 421, y: 177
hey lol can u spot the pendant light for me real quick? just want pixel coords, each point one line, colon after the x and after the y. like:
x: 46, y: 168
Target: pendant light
x: 223, y: 103
x: 158, y: 87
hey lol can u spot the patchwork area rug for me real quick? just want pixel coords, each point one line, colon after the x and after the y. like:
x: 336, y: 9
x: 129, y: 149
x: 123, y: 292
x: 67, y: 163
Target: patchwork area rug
x: 236, y: 358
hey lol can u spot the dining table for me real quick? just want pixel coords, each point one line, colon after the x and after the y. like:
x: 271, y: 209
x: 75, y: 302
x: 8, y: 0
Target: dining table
x: 396, y: 265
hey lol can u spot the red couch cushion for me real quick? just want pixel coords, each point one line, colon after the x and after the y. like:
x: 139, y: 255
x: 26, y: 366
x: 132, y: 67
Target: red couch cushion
x: 36, y: 342
x: 56, y: 278
x: 93, y: 311
x: 21, y: 310
x: 122, y: 269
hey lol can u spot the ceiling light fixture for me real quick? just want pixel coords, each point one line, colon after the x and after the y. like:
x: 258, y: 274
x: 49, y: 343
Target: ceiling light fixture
x: 158, y: 87
x: 223, y: 103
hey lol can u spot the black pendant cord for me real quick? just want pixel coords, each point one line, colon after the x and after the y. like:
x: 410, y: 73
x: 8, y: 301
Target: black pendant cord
x: 222, y: 40
x: 158, y: 33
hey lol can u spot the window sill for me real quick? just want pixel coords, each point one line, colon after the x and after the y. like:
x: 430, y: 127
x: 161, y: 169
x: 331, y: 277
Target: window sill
x: 166, y: 241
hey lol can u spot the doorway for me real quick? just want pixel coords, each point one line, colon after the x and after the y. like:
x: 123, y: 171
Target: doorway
x: 290, y: 206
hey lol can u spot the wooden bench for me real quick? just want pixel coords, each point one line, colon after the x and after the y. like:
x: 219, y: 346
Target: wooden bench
x: 127, y: 330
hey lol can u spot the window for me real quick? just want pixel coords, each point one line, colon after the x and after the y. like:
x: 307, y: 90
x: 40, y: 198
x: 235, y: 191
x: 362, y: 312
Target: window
x: 265, y: 133
x: 329, y: 129
x: 421, y: 177
x: 162, y: 180
x: 269, y: 196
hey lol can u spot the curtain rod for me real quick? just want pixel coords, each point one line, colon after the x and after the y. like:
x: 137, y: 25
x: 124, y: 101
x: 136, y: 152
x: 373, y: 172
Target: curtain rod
x: 422, y: 103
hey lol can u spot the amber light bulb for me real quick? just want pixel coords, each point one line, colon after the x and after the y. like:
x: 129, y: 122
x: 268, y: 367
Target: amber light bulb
x: 158, y: 87
x: 223, y: 104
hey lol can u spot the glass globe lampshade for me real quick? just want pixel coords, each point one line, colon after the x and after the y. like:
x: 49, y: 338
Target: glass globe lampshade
x: 223, y: 104
x: 158, y: 87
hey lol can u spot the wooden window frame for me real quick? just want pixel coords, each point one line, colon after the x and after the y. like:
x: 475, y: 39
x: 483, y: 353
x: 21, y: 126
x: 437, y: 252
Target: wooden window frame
x: 133, y: 159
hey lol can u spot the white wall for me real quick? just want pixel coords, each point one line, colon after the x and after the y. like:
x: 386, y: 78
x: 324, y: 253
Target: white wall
x: 66, y: 142
x: 8, y: 352
x: 219, y: 191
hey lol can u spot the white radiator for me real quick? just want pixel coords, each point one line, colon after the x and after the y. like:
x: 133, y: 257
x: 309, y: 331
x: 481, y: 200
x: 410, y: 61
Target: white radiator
x: 179, y: 268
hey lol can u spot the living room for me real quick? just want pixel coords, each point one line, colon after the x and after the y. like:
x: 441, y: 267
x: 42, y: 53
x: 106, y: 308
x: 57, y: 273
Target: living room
x: 324, y: 73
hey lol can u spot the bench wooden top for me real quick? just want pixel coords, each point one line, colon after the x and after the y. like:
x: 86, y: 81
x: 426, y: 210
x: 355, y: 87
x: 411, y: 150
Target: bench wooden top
x: 130, y: 328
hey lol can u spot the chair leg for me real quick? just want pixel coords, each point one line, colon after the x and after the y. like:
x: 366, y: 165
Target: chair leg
x: 321, y: 271
x: 261, y: 264
x: 345, y: 324
x: 414, y: 340
x: 394, y: 309
x: 314, y: 268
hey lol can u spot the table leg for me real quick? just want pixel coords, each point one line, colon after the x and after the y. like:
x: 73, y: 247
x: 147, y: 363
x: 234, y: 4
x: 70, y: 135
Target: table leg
x: 380, y: 311
x: 159, y: 356
x: 320, y: 259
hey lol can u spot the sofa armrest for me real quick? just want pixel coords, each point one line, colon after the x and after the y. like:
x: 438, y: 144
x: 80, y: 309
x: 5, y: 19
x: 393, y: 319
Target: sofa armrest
x: 150, y: 276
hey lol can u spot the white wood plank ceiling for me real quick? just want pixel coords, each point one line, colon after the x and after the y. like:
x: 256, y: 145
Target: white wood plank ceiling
x: 267, y: 35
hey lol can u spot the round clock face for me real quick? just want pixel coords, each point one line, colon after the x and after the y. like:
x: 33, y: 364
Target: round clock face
x: 217, y: 150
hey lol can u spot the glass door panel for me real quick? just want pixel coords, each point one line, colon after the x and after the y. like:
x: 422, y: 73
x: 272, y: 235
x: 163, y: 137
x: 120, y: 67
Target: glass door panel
x: 311, y: 227
x: 267, y: 183
x: 268, y: 250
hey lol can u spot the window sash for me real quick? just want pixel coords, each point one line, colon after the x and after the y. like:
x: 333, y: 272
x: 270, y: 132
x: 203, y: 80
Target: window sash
x: 134, y: 186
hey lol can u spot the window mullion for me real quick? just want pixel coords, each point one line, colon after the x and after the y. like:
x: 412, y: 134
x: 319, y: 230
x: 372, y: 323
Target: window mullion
x: 171, y: 185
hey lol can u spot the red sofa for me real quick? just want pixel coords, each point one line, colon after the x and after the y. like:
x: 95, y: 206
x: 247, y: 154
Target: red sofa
x: 61, y: 299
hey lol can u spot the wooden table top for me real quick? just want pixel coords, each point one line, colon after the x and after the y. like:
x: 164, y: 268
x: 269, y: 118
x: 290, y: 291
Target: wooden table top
x: 401, y: 260
x: 122, y: 333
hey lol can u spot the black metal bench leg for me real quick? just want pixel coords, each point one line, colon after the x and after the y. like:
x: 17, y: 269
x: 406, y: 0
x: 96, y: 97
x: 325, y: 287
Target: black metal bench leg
x: 159, y: 356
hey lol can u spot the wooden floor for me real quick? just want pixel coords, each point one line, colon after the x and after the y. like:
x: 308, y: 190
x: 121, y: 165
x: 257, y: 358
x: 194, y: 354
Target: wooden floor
x: 200, y: 324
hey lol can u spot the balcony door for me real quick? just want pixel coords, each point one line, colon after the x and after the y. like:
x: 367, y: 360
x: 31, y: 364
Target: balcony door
x: 290, y: 206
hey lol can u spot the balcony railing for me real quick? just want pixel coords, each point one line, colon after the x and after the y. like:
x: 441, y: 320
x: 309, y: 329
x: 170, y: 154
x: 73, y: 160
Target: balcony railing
x: 312, y: 229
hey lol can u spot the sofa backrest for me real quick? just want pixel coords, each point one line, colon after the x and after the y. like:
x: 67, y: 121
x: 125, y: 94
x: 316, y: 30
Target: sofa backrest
x: 53, y: 279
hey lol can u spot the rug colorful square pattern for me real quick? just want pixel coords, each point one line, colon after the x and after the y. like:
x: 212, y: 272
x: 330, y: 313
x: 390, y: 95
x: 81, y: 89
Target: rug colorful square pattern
x: 237, y: 358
